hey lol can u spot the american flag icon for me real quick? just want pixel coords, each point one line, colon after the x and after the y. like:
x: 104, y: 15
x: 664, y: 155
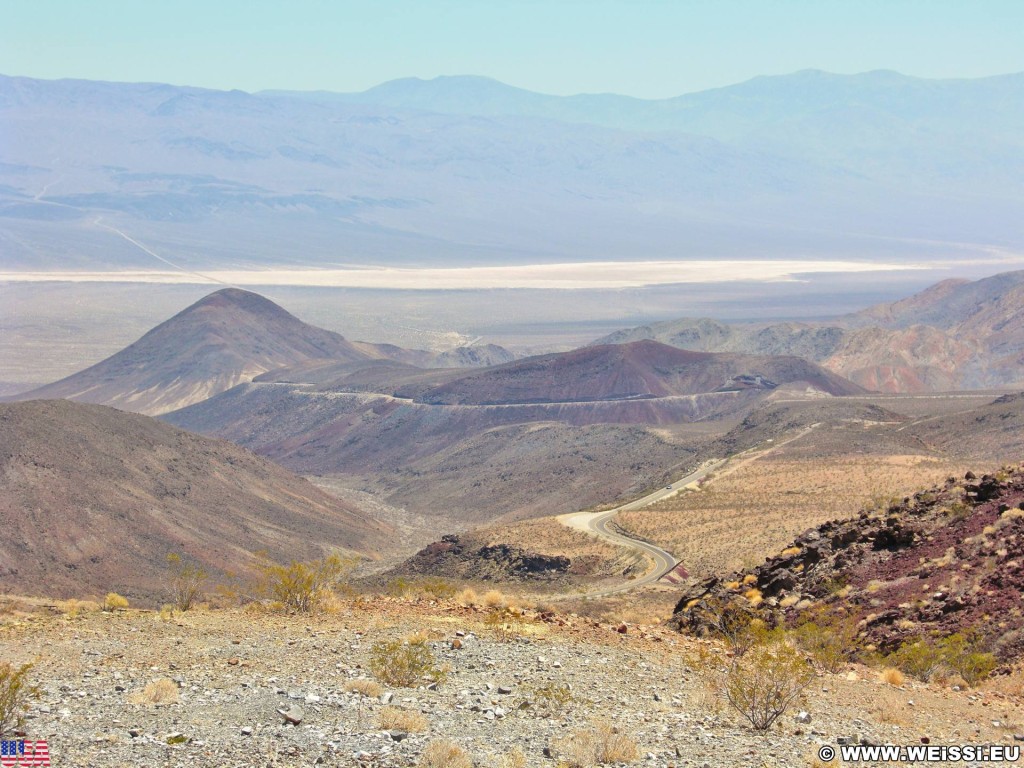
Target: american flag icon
x: 24, y: 753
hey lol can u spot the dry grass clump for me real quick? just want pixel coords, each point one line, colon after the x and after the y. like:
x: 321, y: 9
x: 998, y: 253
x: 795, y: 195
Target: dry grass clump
x: 444, y: 754
x: 364, y: 686
x: 114, y: 602
x: 495, y: 598
x: 162, y: 691
x: 514, y: 759
x: 72, y: 608
x: 891, y: 709
x: 396, y: 719
x: 603, y: 744
x: 468, y: 597
x: 892, y: 676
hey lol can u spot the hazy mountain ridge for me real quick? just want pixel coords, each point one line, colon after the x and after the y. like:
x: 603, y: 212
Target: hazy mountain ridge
x: 808, y: 162
x: 954, y: 335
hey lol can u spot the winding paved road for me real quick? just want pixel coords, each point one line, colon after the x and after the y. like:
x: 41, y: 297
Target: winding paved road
x: 596, y: 523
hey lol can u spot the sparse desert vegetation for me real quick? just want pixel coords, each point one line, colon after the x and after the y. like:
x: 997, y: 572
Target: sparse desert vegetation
x: 16, y: 693
x: 584, y: 690
x: 756, y: 509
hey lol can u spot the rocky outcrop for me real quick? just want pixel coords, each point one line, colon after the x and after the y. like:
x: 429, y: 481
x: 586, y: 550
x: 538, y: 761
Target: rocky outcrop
x: 452, y: 556
x: 943, y: 561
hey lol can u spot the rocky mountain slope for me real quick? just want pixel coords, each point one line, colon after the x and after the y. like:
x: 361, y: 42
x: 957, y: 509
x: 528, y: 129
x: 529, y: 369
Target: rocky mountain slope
x: 93, y: 499
x: 545, y: 434
x: 943, y: 561
x: 954, y: 335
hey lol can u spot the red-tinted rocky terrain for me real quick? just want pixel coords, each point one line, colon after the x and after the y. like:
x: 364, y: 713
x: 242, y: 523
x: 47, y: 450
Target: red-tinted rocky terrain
x: 946, y: 560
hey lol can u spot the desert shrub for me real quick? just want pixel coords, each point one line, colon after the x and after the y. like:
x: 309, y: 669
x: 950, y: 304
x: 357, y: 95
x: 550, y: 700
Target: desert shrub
x: 15, y: 694
x: 505, y: 623
x: 732, y: 624
x: 829, y: 640
x: 444, y: 754
x: 918, y: 658
x: 763, y: 683
x: 114, y: 601
x: 514, y: 758
x: 603, y: 744
x: 162, y: 691
x: 550, y: 698
x: 469, y: 597
x: 961, y: 653
x: 184, y: 581
x: 303, y: 587
x: 364, y: 687
x: 396, y: 719
x: 958, y: 510
x: 404, y: 664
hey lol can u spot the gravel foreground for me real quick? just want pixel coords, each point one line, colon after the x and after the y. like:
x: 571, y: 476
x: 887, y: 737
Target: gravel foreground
x: 235, y: 670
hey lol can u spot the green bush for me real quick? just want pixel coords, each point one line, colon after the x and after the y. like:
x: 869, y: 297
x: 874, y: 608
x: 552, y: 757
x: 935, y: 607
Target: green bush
x: 505, y: 623
x: 185, y: 581
x: 732, y: 624
x: 15, y: 694
x: 404, y: 664
x: 303, y: 587
x: 428, y: 586
x: 829, y: 640
x: 551, y: 698
x: 763, y: 683
x: 961, y: 652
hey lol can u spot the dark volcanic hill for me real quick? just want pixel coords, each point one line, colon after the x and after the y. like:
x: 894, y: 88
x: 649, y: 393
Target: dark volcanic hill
x: 93, y: 499
x: 642, y: 369
x: 955, y: 335
x: 946, y: 560
x: 222, y: 340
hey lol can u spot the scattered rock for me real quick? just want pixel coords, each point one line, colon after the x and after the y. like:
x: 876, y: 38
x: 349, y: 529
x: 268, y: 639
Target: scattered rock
x: 293, y: 714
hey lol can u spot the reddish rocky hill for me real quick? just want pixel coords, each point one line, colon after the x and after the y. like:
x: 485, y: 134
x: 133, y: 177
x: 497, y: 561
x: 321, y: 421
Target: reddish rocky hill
x: 222, y: 340
x: 957, y: 334
x: 946, y: 560
x: 93, y: 499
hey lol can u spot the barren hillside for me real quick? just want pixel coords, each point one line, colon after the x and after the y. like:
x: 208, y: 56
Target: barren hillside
x: 93, y: 499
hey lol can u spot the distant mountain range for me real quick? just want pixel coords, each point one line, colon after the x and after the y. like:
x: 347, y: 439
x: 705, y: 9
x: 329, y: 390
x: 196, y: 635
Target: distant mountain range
x: 954, y: 335
x: 467, y: 170
x: 93, y: 500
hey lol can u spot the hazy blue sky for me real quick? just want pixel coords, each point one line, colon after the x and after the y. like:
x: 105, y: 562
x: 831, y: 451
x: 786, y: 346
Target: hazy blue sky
x: 650, y: 48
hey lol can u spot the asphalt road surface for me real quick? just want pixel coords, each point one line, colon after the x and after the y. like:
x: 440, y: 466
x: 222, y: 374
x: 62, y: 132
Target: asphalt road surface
x: 596, y: 523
